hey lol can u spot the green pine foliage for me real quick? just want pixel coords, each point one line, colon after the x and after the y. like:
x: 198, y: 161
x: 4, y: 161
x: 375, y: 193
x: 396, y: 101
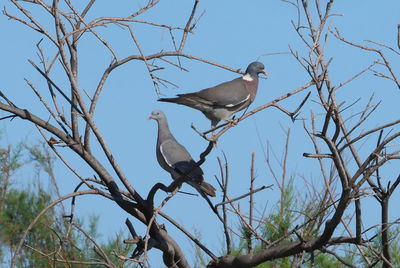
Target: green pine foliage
x: 284, y: 217
x: 20, y: 208
x: 52, y: 237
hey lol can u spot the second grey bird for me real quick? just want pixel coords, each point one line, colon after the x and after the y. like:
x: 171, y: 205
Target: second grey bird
x: 175, y: 159
x: 221, y: 101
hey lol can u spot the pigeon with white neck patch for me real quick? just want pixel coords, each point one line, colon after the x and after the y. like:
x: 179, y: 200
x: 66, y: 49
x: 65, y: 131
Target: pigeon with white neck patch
x: 221, y: 101
x: 175, y: 159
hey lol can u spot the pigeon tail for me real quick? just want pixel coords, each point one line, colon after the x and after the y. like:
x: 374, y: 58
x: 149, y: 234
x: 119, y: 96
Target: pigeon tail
x: 183, y: 100
x: 204, y: 188
x: 173, y: 100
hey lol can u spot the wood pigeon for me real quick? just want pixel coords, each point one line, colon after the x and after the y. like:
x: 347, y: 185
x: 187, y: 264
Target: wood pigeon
x: 221, y: 101
x: 175, y: 159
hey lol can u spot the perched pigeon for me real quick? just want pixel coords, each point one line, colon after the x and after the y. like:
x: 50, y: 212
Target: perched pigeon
x: 220, y: 102
x: 175, y: 159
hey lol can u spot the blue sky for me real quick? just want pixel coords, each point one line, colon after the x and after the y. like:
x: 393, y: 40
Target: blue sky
x: 233, y: 33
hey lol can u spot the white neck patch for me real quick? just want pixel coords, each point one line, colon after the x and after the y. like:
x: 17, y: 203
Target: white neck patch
x: 248, y: 77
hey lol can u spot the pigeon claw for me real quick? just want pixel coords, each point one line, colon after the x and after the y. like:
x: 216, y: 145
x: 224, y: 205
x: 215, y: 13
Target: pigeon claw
x: 232, y: 122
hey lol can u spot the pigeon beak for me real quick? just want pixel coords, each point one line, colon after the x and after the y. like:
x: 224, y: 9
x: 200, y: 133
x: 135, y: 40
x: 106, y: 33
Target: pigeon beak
x: 150, y: 117
x: 265, y: 73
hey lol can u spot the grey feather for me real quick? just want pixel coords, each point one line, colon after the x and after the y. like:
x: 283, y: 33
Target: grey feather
x: 221, y: 101
x: 175, y: 159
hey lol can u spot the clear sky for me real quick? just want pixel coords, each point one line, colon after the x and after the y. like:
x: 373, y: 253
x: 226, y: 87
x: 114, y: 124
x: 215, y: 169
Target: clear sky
x: 233, y: 33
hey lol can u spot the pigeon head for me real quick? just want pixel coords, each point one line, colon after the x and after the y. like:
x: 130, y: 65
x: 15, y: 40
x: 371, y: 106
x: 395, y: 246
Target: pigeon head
x: 255, y: 68
x: 157, y: 115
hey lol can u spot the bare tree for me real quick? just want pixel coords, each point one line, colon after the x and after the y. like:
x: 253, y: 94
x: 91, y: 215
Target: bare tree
x: 351, y: 176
